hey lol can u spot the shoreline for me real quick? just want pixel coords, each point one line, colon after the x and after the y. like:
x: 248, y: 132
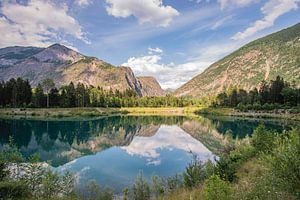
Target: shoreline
x: 92, y: 112
x: 96, y: 112
x: 274, y: 114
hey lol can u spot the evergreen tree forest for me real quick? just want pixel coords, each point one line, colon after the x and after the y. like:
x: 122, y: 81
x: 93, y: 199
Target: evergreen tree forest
x: 277, y: 93
x: 19, y: 93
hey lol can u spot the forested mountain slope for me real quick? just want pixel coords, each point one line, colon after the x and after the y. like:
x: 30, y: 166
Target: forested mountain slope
x: 64, y: 65
x: 262, y: 59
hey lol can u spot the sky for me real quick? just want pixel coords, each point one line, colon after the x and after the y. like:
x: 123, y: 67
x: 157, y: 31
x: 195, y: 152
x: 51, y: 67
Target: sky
x: 172, y: 40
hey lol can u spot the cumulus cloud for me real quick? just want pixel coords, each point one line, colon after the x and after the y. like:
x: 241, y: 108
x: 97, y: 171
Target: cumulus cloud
x: 167, y: 137
x: 152, y: 11
x: 172, y: 75
x: 271, y: 11
x: 168, y: 75
x: 238, y: 3
x: 37, y: 23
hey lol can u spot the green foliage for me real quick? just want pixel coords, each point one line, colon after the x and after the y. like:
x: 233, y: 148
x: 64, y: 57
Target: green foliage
x: 285, y: 161
x: 15, y: 93
x: 174, y: 182
x: 14, y: 190
x: 215, y: 188
x: 18, y: 93
x: 125, y: 193
x: 194, y: 173
x: 158, y: 186
x: 47, y: 84
x: 227, y: 165
x: 269, y: 96
x: 141, y: 189
x: 262, y: 139
x: 94, y: 192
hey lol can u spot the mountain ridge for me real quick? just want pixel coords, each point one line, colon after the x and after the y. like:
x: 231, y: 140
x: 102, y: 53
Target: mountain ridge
x: 261, y: 59
x: 65, y: 65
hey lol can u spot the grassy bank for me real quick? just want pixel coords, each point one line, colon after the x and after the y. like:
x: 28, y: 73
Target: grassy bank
x: 277, y: 113
x: 165, y: 111
x: 93, y: 112
x: 58, y: 112
x: 160, y: 111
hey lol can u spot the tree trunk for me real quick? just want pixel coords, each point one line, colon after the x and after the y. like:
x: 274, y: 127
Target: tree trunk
x: 47, y: 100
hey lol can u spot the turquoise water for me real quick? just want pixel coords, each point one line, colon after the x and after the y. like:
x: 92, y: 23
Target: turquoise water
x: 112, y: 150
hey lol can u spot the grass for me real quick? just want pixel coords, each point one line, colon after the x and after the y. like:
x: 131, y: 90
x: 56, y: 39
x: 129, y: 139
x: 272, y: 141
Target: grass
x: 57, y: 113
x: 215, y: 111
x: 185, y: 194
x: 160, y: 111
x: 164, y: 111
x: 250, y: 114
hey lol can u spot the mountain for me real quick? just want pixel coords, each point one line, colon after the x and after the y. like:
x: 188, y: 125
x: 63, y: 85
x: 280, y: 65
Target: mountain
x: 150, y: 86
x: 64, y: 65
x: 262, y: 59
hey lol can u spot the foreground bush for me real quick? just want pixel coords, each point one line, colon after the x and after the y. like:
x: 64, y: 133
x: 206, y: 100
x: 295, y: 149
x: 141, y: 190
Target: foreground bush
x: 194, y: 173
x: 285, y: 161
x: 93, y: 191
x: 141, y: 189
x: 215, y: 188
x: 13, y: 190
x: 262, y: 139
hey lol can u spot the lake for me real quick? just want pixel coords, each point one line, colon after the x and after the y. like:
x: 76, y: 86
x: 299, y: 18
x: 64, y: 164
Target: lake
x: 113, y: 150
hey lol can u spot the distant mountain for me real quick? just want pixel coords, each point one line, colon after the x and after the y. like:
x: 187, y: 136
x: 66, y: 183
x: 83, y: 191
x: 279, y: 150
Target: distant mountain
x: 262, y: 59
x: 64, y: 65
x: 150, y: 86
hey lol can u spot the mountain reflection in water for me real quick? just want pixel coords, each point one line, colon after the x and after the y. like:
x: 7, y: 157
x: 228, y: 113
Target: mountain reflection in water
x: 112, y: 150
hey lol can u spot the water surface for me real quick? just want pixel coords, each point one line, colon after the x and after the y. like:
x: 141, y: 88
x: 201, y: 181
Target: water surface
x: 112, y: 150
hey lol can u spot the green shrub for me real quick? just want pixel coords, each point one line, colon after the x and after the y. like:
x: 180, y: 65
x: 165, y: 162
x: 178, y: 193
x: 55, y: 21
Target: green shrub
x: 174, y: 182
x: 285, y: 161
x: 158, y: 186
x: 256, y: 106
x: 262, y: 139
x: 216, y: 189
x: 210, y: 169
x: 226, y: 168
x: 94, y: 192
x: 194, y: 173
x: 227, y: 165
x: 13, y: 190
x: 141, y: 189
x: 268, y: 106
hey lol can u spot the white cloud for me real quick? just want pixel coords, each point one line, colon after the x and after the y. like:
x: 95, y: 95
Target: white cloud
x: 167, y: 137
x: 220, y: 22
x: 152, y: 11
x: 154, y: 50
x: 238, y: 3
x: 168, y: 75
x: 271, y: 10
x: 83, y: 3
x: 38, y: 23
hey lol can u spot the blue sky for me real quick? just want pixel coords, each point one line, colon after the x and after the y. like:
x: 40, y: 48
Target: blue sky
x: 173, y: 40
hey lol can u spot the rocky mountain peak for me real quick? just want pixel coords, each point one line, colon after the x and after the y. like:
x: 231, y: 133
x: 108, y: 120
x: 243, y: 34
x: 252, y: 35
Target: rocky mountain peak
x: 150, y: 86
x: 58, y: 53
x: 64, y: 65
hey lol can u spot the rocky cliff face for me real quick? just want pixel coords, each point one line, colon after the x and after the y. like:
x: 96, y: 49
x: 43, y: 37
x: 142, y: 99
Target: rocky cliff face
x: 64, y: 65
x: 150, y: 86
x: 262, y: 59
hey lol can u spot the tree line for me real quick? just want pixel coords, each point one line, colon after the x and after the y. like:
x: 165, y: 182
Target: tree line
x: 269, y: 95
x: 19, y: 93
